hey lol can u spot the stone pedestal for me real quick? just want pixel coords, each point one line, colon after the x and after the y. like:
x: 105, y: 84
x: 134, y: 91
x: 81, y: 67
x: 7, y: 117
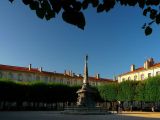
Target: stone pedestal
x: 86, y: 96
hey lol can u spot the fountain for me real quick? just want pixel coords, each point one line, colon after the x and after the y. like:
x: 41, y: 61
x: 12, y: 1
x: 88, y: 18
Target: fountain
x: 86, y: 93
x: 85, y: 102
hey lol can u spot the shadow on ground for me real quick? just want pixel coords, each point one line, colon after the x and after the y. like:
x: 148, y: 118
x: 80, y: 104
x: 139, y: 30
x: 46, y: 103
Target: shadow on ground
x: 49, y: 115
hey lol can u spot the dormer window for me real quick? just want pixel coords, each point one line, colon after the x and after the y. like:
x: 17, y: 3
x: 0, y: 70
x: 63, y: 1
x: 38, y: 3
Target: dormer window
x: 149, y: 74
x: 129, y: 78
x: 142, y: 76
x: 135, y: 77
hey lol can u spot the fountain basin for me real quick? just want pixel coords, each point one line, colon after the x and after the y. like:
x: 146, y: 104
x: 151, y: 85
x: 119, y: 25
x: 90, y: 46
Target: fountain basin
x: 85, y: 111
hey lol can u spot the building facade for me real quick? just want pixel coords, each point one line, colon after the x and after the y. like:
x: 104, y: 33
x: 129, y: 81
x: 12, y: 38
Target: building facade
x: 149, y: 69
x: 23, y: 74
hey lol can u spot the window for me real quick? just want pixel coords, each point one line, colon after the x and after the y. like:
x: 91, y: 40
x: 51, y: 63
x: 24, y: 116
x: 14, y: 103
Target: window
x: 29, y: 77
x: 10, y: 75
x: 1, y: 75
x: 19, y: 77
x: 149, y: 74
x: 49, y: 78
x: 37, y: 78
x: 61, y: 81
x: 135, y: 77
x: 142, y: 76
x: 158, y: 73
x: 123, y: 79
x: 95, y: 83
x: 68, y: 82
x: 129, y: 78
x: 53, y: 79
x: 75, y: 82
x: 46, y: 78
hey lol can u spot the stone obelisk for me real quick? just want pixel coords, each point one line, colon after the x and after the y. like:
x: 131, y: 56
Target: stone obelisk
x: 86, y: 94
x: 85, y: 79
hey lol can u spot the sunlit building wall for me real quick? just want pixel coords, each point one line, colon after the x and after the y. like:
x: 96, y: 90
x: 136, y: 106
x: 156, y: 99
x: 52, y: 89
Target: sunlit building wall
x: 149, y: 69
x: 23, y: 74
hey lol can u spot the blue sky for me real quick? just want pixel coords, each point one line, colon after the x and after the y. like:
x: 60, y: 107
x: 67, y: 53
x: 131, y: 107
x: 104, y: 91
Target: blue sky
x: 113, y: 40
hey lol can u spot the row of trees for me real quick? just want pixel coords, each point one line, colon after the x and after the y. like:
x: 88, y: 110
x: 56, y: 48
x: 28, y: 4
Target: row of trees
x: 131, y: 91
x: 37, y: 93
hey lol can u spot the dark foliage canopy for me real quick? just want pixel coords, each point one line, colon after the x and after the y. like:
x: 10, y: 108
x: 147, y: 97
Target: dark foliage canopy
x: 37, y: 92
x: 72, y: 10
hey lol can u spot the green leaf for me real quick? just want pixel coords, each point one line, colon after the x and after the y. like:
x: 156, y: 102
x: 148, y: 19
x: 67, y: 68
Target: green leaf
x: 40, y: 13
x: 148, y: 30
x: 74, y: 18
x: 27, y: 2
x: 100, y: 8
x: 85, y: 4
x: 11, y: 1
x: 158, y: 18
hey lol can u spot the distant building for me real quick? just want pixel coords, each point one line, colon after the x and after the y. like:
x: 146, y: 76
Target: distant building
x: 37, y: 74
x: 149, y: 69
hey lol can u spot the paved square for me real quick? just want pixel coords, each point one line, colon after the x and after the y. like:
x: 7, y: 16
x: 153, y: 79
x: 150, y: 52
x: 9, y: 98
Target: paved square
x: 50, y: 115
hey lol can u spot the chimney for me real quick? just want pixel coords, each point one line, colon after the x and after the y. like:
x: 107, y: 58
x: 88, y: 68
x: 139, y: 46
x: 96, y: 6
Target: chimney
x: 79, y: 75
x: 40, y: 69
x: 146, y: 64
x: 65, y: 72
x: 73, y: 74
x: 30, y: 66
x: 114, y: 78
x: 97, y: 76
x: 151, y: 62
x: 132, y: 67
x: 70, y: 73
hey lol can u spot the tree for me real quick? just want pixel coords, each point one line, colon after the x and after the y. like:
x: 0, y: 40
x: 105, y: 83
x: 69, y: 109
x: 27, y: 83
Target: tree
x: 72, y: 10
x: 108, y: 92
x: 126, y: 91
x: 140, y: 92
x: 152, y: 89
x: 36, y: 92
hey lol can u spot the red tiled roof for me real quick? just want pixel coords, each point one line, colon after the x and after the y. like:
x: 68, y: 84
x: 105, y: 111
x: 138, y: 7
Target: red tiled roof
x: 101, y: 79
x: 25, y: 69
x: 16, y: 68
x: 36, y: 70
x: 142, y: 68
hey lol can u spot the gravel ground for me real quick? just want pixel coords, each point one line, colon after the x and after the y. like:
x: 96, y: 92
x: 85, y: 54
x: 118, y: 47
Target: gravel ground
x: 50, y: 115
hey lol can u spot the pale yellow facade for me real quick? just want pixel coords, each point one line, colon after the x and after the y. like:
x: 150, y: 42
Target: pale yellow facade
x: 23, y: 74
x: 149, y: 69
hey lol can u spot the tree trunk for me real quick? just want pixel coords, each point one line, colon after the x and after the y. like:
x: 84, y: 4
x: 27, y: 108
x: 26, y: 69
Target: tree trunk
x: 122, y: 105
x: 3, y: 105
x: 131, y: 105
x: 141, y: 105
x: 153, y: 107
x: 106, y: 105
x: 111, y: 106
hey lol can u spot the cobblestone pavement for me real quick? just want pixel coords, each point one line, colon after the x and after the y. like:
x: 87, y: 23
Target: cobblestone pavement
x: 50, y: 115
